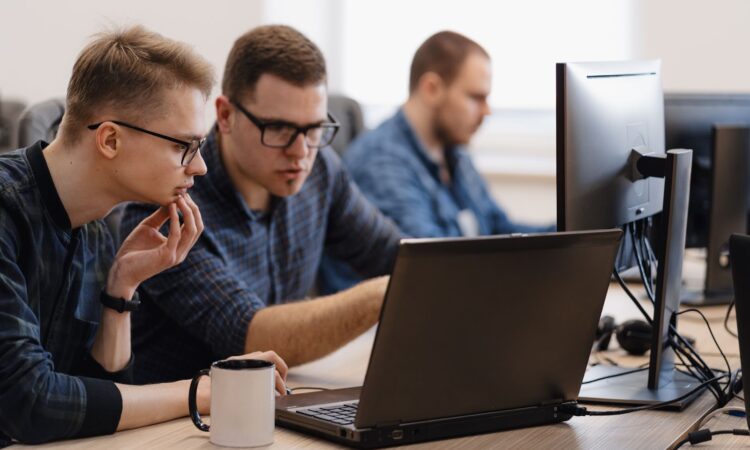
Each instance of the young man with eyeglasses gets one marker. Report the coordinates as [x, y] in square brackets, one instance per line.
[275, 195]
[132, 130]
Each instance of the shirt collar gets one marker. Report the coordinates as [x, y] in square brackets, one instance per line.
[419, 149]
[218, 177]
[47, 189]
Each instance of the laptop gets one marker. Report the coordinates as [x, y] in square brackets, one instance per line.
[476, 335]
[739, 255]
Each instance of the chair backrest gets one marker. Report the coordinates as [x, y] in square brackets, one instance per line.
[349, 113]
[10, 112]
[40, 121]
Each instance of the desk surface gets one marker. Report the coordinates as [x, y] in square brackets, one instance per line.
[347, 366]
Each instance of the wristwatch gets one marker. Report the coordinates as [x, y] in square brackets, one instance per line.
[120, 304]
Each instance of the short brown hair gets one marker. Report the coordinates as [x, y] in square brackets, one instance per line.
[442, 53]
[129, 69]
[274, 49]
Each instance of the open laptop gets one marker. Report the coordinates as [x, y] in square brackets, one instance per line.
[739, 255]
[475, 335]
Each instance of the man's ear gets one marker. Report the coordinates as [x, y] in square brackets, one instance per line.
[432, 88]
[108, 140]
[224, 114]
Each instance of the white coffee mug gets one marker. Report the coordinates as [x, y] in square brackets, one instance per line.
[242, 402]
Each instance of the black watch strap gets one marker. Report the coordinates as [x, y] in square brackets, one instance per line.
[120, 304]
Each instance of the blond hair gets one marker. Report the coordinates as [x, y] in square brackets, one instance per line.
[129, 70]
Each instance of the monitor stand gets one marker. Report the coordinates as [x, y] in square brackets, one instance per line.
[625, 388]
[661, 382]
[730, 183]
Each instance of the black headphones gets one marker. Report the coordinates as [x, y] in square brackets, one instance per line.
[634, 336]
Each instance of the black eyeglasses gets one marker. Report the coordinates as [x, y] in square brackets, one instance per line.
[189, 148]
[280, 134]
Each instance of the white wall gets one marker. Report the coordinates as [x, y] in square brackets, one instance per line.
[40, 39]
[703, 44]
[368, 46]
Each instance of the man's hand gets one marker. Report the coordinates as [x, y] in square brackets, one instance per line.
[147, 252]
[203, 395]
[270, 356]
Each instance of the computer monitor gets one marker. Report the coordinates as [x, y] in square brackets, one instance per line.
[740, 253]
[716, 127]
[612, 170]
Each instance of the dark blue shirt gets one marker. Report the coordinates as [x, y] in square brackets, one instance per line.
[50, 280]
[393, 170]
[199, 311]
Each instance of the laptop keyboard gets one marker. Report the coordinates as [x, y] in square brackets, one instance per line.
[341, 414]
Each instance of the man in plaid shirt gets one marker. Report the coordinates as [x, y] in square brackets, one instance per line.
[132, 130]
[274, 197]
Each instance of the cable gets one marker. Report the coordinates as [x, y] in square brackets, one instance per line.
[716, 412]
[577, 410]
[640, 369]
[679, 344]
[639, 261]
[710, 331]
[707, 372]
[306, 388]
[701, 365]
[696, 437]
[726, 320]
[632, 297]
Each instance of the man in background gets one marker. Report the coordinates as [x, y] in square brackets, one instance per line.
[415, 166]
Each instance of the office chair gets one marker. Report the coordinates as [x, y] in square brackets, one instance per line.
[349, 113]
[10, 111]
[40, 122]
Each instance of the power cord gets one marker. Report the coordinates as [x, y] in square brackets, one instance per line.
[696, 437]
[710, 331]
[639, 369]
[682, 346]
[306, 388]
[577, 410]
[731, 410]
[726, 320]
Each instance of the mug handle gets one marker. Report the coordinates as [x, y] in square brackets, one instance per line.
[193, 404]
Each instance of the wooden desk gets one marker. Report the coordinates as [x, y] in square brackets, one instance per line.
[346, 367]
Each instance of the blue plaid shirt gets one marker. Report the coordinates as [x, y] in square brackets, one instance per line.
[50, 280]
[199, 311]
[391, 167]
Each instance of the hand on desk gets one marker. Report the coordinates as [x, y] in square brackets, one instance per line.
[270, 356]
[204, 388]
